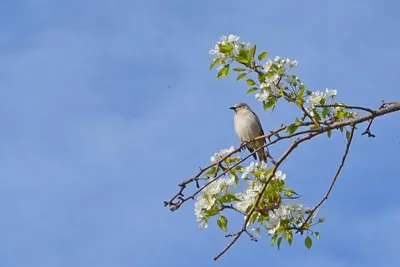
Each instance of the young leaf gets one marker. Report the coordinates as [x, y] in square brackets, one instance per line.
[273, 239]
[289, 237]
[250, 82]
[300, 93]
[252, 51]
[279, 242]
[262, 55]
[211, 171]
[291, 128]
[347, 135]
[329, 132]
[308, 242]
[214, 63]
[226, 49]
[223, 72]
[241, 76]
[222, 223]
[325, 112]
[252, 89]
[317, 235]
[239, 69]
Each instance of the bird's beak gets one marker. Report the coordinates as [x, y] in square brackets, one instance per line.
[233, 108]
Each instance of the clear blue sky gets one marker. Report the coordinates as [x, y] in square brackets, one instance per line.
[106, 105]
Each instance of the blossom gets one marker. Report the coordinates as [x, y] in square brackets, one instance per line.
[202, 222]
[267, 65]
[279, 175]
[249, 169]
[231, 40]
[293, 63]
[263, 96]
[222, 154]
[314, 99]
[248, 197]
[291, 78]
[330, 92]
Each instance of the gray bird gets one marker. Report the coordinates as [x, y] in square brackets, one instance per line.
[248, 127]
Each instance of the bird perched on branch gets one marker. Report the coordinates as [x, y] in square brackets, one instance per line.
[248, 127]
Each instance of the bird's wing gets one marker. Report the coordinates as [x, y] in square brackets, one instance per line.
[259, 124]
[251, 151]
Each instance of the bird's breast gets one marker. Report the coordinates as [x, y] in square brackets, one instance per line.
[247, 126]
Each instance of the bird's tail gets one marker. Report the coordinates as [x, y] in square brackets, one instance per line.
[261, 155]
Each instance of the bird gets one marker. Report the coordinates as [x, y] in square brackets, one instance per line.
[248, 127]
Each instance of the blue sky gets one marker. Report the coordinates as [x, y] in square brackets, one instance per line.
[107, 105]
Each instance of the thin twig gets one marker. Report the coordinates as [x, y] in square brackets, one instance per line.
[346, 152]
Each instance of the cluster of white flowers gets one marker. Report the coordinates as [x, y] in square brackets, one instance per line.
[207, 199]
[249, 195]
[252, 168]
[280, 63]
[232, 40]
[263, 96]
[254, 186]
[291, 211]
[223, 153]
[316, 97]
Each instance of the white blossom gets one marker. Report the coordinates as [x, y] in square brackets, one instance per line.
[267, 65]
[279, 175]
[293, 63]
[277, 59]
[330, 92]
[314, 99]
[263, 96]
[248, 196]
[202, 222]
[232, 40]
[223, 153]
[249, 169]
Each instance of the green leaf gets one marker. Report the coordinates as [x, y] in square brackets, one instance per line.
[308, 242]
[262, 55]
[250, 82]
[211, 171]
[329, 132]
[347, 135]
[273, 239]
[222, 223]
[340, 114]
[291, 128]
[215, 62]
[252, 51]
[289, 236]
[223, 72]
[241, 76]
[239, 69]
[252, 89]
[317, 235]
[316, 115]
[269, 104]
[243, 57]
[211, 212]
[229, 198]
[325, 112]
[300, 93]
[225, 48]
[279, 242]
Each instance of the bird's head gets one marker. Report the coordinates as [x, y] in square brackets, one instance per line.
[240, 107]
